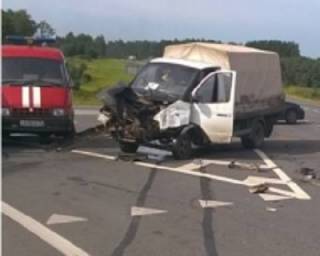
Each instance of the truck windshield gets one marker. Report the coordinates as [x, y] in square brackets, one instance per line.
[170, 80]
[33, 70]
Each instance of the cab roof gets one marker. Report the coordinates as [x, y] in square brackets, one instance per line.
[25, 51]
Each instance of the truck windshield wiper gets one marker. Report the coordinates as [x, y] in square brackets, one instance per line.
[11, 81]
[41, 82]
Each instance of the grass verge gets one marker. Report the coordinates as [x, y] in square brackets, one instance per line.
[104, 73]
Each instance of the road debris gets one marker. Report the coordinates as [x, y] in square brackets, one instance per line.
[259, 188]
[308, 174]
[271, 209]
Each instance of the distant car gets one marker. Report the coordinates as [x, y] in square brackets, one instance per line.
[292, 113]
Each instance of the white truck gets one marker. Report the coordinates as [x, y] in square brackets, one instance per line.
[197, 94]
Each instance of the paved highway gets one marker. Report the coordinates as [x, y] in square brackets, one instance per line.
[83, 200]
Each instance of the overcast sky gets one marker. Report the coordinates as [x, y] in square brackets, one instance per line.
[226, 20]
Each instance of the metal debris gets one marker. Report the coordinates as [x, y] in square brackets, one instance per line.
[259, 188]
[308, 174]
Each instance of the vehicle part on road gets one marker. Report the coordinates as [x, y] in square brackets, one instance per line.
[260, 188]
[308, 174]
[271, 209]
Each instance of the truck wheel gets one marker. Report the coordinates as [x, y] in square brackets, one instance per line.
[291, 117]
[182, 149]
[128, 147]
[256, 138]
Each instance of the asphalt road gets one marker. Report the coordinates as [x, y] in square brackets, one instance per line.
[149, 208]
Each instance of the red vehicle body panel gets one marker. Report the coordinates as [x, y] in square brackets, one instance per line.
[21, 51]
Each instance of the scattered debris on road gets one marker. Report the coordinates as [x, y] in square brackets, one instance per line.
[259, 188]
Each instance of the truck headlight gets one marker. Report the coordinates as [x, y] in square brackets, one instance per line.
[58, 112]
[5, 112]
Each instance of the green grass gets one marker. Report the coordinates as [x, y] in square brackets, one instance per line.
[304, 93]
[104, 73]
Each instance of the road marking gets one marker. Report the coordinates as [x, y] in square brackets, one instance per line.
[298, 191]
[213, 204]
[270, 209]
[86, 153]
[269, 164]
[60, 219]
[141, 211]
[316, 111]
[273, 198]
[255, 180]
[47, 235]
[167, 168]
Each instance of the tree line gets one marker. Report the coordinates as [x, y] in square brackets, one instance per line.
[296, 69]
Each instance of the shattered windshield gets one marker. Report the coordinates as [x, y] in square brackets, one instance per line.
[171, 80]
[33, 70]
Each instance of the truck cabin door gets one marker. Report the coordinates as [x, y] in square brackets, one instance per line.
[213, 105]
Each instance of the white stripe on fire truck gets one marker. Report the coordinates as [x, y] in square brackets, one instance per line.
[36, 97]
[25, 97]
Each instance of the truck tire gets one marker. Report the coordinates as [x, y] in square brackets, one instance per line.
[182, 149]
[256, 138]
[127, 147]
[291, 116]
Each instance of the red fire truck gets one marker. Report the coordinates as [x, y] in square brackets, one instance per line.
[36, 89]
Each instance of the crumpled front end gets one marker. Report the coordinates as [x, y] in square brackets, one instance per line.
[133, 118]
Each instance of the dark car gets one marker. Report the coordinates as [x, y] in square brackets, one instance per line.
[292, 113]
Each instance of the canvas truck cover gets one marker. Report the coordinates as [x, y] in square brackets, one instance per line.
[259, 82]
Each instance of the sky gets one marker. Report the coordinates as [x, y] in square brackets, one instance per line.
[225, 20]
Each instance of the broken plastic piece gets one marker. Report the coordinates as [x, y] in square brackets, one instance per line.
[260, 188]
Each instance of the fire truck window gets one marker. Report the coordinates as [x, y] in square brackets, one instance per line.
[33, 69]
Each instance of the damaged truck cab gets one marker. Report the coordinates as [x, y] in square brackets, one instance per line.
[197, 94]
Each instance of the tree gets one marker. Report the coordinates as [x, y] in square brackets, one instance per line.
[44, 29]
[100, 46]
[284, 49]
[17, 23]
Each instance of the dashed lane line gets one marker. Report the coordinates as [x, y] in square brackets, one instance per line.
[50, 237]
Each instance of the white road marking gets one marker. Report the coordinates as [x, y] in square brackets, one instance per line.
[273, 198]
[60, 219]
[255, 180]
[270, 209]
[298, 191]
[141, 211]
[36, 97]
[166, 168]
[25, 97]
[86, 153]
[316, 111]
[213, 204]
[55, 240]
